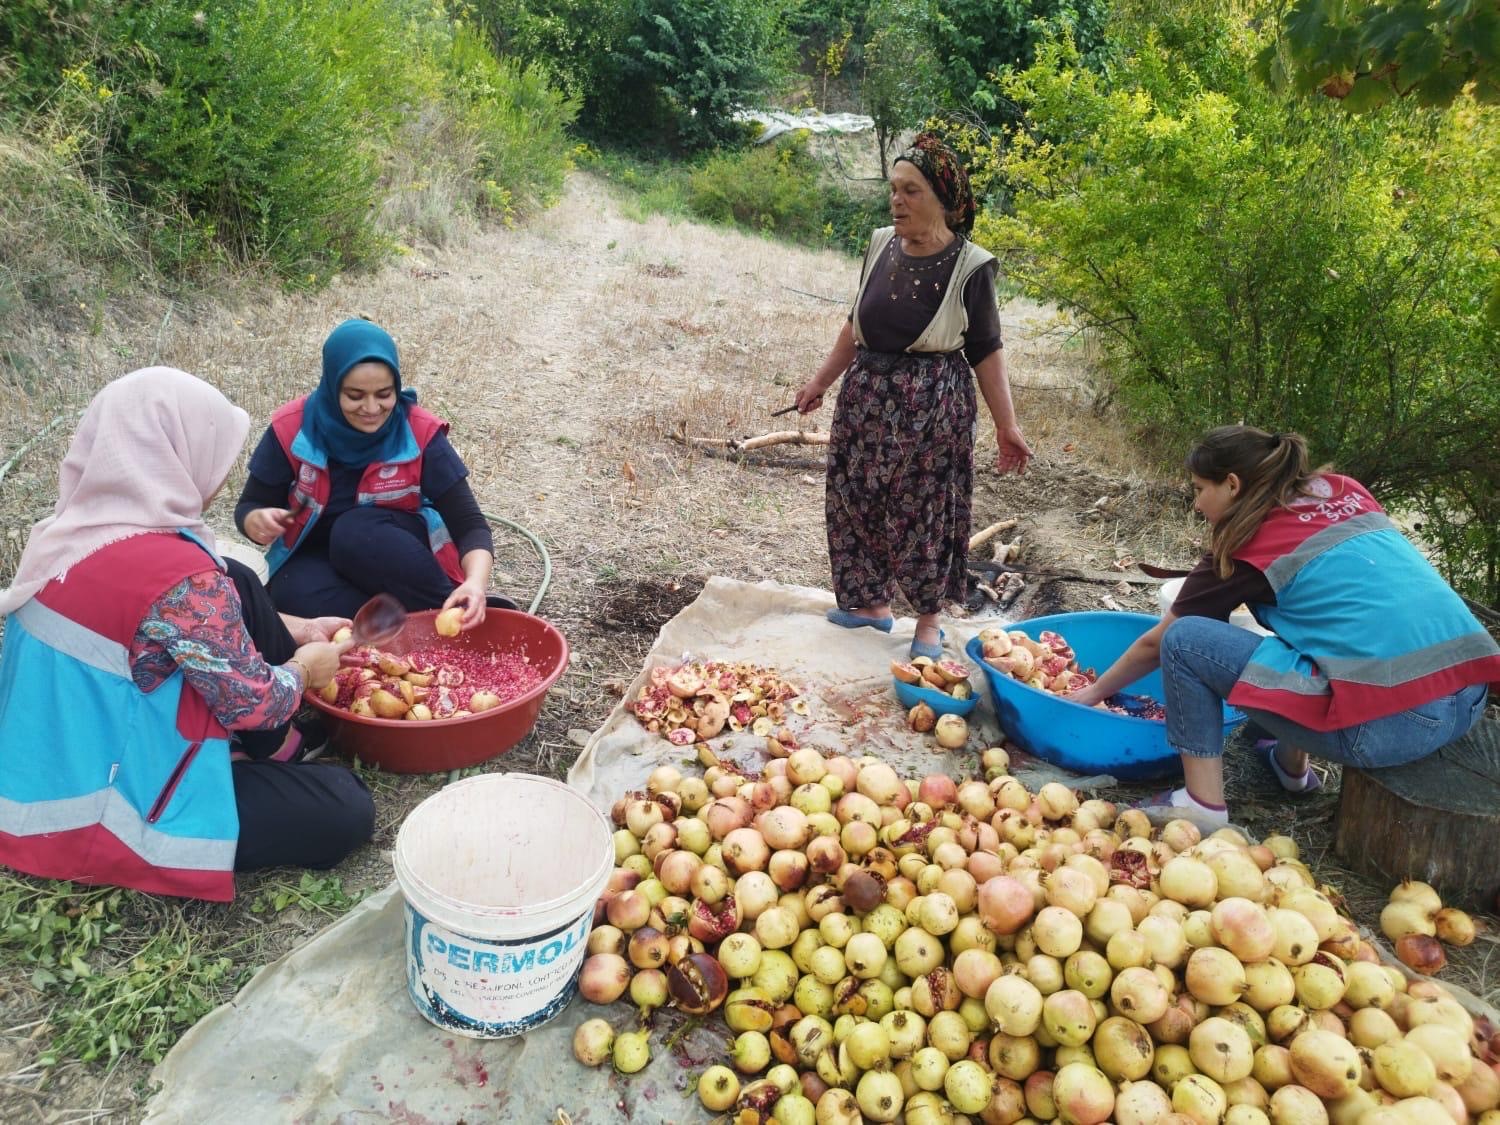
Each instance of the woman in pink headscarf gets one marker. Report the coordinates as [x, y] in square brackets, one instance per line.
[147, 686]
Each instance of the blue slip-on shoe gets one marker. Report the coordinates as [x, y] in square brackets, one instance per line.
[847, 620]
[932, 652]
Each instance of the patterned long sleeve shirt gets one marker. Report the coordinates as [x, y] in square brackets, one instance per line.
[197, 627]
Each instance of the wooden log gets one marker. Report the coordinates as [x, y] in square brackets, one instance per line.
[990, 532]
[746, 445]
[1437, 820]
[780, 437]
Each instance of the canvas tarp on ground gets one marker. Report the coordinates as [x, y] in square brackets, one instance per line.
[327, 1033]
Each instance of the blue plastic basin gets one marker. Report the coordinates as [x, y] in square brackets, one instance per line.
[940, 701]
[1087, 739]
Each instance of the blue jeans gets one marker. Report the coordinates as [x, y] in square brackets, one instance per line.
[1200, 661]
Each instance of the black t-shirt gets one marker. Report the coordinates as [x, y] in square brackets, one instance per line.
[904, 293]
[1205, 594]
[444, 484]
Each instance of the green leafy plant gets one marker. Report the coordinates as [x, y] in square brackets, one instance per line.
[901, 76]
[1249, 256]
[519, 123]
[115, 990]
[977, 38]
[324, 894]
[771, 188]
[1362, 55]
[704, 59]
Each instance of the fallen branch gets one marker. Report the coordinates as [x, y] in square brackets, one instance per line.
[993, 530]
[750, 444]
[780, 437]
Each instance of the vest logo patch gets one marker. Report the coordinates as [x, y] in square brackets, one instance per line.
[388, 471]
[307, 474]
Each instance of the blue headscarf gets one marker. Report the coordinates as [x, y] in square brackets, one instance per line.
[352, 343]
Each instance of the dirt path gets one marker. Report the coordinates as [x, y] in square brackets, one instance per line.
[564, 352]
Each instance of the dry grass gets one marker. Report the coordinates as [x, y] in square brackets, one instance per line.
[563, 352]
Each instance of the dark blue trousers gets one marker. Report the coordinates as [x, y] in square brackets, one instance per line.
[370, 550]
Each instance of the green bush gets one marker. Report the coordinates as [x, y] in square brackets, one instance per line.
[770, 188]
[277, 131]
[703, 59]
[519, 123]
[1259, 258]
[38, 41]
[578, 44]
[848, 220]
[245, 122]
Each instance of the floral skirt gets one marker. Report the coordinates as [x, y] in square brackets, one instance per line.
[900, 480]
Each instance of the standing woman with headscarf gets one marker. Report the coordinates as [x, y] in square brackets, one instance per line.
[356, 491]
[147, 686]
[901, 455]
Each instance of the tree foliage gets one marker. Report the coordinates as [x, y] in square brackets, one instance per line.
[978, 38]
[577, 42]
[1249, 256]
[264, 130]
[1364, 54]
[901, 72]
[707, 58]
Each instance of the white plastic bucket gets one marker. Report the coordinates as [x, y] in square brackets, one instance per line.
[500, 873]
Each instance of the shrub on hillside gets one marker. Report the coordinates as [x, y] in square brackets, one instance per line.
[704, 59]
[245, 120]
[578, 44]
[770, 188]
[1252, 257]
[517, 120]
[848, 219]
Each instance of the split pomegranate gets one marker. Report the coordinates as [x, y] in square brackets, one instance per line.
[695, 702]
[435, 683]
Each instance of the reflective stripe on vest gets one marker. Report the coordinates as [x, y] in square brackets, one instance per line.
[99, 781]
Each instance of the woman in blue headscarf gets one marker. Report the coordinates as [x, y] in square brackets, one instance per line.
[356, 490]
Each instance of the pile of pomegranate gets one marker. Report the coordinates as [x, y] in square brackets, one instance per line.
[441, 682]
[697, 701]
[1416, 920]
[886, 949]
[1047, 664]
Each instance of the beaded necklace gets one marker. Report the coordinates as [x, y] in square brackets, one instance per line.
[902, 263]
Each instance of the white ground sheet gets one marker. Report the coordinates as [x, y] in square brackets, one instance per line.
[327, 1033]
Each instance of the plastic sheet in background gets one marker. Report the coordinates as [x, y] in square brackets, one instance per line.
[775, 122]
[327, 1034]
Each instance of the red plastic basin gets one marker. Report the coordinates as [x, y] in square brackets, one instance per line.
[403, 746]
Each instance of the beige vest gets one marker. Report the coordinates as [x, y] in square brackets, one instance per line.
[945, 332]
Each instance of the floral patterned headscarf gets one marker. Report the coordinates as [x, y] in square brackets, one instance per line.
[940, 165]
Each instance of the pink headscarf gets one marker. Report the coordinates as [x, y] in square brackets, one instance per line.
[150, 450]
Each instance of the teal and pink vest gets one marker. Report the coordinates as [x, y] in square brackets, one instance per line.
[101, 782]
[396, 483]
[1364, 626]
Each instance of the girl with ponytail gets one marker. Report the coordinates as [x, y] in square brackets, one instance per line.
[1372, 660]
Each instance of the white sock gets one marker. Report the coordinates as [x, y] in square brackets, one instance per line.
[1182, 799]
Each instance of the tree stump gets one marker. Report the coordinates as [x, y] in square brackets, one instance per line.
[1437, 820]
